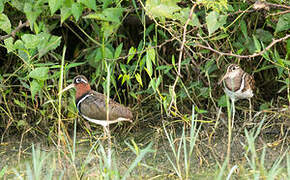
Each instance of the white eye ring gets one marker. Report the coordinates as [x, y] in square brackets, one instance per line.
[79, 80]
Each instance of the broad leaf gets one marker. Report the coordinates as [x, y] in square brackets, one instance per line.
[32, 11]
[89, 3]
[31, 41]
[118, 51]
[264, 36]
[54, 5]
[139, 79]
[77, 10]
[1, 9]
[9, 44]
[97, 55]
[131, 54]
[283, 23]
[5, 24]
[40, 73]
[35, 86]
[162, 9]
[109, 14]
[149, 65]
[244, 29]
[222, 102]
[47, 43]
[214, 21]
[65, 12]
[257, 44]
[183, 16]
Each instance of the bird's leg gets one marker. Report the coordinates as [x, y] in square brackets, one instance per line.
[233, 112]
[250, 104]
[106, 131]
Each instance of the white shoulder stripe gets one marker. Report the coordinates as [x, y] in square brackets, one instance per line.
[81, 100]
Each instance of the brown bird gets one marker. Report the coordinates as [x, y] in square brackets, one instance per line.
[92, 105]
[238, 85]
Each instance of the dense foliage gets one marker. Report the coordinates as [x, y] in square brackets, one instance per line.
[162, 57]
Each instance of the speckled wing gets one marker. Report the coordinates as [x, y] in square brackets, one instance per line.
[94, 107]
[234, 84]
[249, 82]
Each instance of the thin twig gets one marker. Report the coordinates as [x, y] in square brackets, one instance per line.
[279, 13]
[18, 28]
[244, 56]
[181, 53]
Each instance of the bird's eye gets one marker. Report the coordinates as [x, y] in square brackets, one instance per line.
[78, 80]
[236, 67]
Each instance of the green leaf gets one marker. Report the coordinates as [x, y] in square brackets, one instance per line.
[264, 36]
[149, 65]
[71, 65]
[183, 16]
[222, 102]
[32, 11]
[17, 4]
[65, 12]
[9, 44]
[151, 54]
[139, 79]
[40, 73]
[35, 86]
[283, 23]
[118, 51]
[108, 29]
[21, 123]
[244, 29]
[214, 21]
[131, 93]
[1, 9]
[19, 103]
[109, 14]
[89, 3]
[54, 5]
[31, 41]
[47, 42]
[264, 106]
[288, 47]
[77, 10]
[219, 37]
[96, 56]
[131, 54]
[3, 171]
[162, 9]
[5, 24]
[257, 44]
[125, 77]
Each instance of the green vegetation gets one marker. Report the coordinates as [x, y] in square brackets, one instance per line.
[163, 59]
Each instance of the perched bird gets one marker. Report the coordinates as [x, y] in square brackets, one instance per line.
[93, 107]
[238, 85]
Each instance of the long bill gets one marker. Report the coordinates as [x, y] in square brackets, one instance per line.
[67, 88]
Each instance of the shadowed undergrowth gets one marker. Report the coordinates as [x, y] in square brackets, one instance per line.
[160, 58]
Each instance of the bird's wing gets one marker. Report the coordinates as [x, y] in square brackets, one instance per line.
[94, 107]
[249, 82]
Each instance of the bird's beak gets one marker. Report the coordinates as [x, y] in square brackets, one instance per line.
[67, 88]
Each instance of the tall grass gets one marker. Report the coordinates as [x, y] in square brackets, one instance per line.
[181, 166]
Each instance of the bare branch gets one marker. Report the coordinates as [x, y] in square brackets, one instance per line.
[181, 53]
[244, 56]
[18, 28]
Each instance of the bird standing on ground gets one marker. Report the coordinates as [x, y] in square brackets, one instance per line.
[93, 107]
[238, 85]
